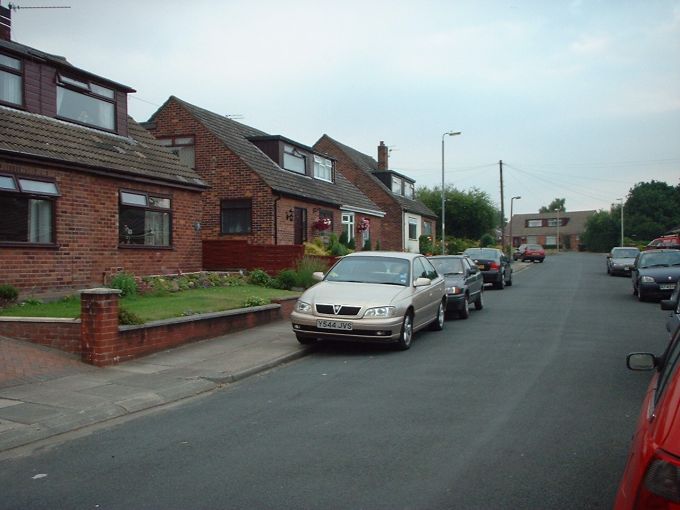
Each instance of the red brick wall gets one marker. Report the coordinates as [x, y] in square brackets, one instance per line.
[224, 254]
[87, 248]
[58, 334]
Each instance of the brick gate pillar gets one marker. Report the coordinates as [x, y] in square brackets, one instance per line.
[99, 326]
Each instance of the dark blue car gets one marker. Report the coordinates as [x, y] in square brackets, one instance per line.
[464, 283]
[655, 274]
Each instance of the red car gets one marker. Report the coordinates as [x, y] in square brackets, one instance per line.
[651, 479]
[533, 252]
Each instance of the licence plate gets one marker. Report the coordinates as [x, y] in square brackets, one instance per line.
[667, 286]
[480, 266]
[342, 325]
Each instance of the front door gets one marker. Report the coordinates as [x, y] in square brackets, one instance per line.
[300, 225]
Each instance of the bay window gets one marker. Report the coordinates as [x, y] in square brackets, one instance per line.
[144, 219]
[27, 210]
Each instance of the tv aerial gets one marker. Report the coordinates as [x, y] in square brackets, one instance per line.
[15, 7]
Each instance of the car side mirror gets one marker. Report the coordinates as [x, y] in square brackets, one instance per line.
[667, 304]
[641, 361]
[317, 275]
[422, 282]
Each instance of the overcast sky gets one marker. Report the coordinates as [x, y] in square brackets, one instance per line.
[580, 99]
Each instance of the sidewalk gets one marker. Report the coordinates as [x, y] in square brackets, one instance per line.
[47, 393]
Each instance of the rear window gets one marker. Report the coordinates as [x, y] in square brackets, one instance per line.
[629, 253]
[482, 253]
[534, 247]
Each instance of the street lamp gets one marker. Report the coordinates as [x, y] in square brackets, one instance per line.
[449, 133]
[558, 229]
[621, 200]
[512, 245]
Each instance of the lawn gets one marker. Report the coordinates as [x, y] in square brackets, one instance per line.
[150, 308]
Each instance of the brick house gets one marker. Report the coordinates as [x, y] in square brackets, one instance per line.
[406, 217]
[266, 190]
[84, 190]
[542, 228]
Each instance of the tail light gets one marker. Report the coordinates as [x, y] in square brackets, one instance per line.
[494, 265]
[660, 488]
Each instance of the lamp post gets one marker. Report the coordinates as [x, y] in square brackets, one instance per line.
[512, 199]
[448, 133]
[621, 200]
[558, 229]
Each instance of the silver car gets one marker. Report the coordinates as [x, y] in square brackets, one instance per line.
[372, 297]
[621, 259]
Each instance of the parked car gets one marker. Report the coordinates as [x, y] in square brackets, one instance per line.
[533, 252]
[655, 274]
[493, 264]
[464, 283]
[517, 254]
[651, 478]
[672, 304]
[668, 241]
[372, 297]
[621, 259]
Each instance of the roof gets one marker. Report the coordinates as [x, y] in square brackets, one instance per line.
[235, 137]
[575, 225]
[55, 60]
[29, 135]
[369, 165]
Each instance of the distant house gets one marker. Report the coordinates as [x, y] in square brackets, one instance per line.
[406, 217]
[85, 191]
[266, 190]
[543, 228]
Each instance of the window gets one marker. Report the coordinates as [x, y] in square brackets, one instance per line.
[182, 147]
[293, 160]
[86, 103]
[323, 169]
[11, 81]
[534, 223]
[427, 228]
[396, 185]
[144, 219]
[348, 225]
[26, 210]
[236, 216]
[409, 190]
[412, 229]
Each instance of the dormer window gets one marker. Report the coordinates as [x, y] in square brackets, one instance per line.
[11, 81]
[293, 160]
[409, 190]
[86, 103]
[323, 169]
[396, 185]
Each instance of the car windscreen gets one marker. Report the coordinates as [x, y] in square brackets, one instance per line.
[384, 270]
[624, 253]
[653, 259]
[448, 267]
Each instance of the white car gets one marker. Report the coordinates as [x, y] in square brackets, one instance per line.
[372, 297]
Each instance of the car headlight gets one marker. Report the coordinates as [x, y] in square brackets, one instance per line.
[303, 307]
[647, 279]
[454, 290]
[380, 312]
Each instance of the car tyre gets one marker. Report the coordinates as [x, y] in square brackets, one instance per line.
[406, 335]
[641, 295]
[479, 302]
[509, 282]
[438, 322]
[464, 312]
[305, 340]
[500, 285]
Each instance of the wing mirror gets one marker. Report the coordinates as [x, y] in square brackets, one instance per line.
[317, 275]
[641, 361]
[422, 282]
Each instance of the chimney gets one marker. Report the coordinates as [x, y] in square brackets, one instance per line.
[382, 156]
[5, 23]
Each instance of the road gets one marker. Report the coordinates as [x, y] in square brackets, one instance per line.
[527, 404]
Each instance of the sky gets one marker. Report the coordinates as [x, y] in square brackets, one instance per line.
[579, 99]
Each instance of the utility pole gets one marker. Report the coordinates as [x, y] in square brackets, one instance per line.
[500, 163]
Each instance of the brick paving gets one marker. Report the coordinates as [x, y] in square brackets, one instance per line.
[23, 362]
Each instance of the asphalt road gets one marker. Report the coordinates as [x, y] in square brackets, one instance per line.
[527, 404]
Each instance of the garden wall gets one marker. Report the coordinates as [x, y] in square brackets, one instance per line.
[224, 255]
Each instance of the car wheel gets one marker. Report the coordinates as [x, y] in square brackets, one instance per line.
[635, 292]
[479, 302]
[641, 296]
[500, 285]
[438, 322]
[406, 336]
[609, 271]
[509, 282]
[464, 312]
[541, 261]
[305, 340]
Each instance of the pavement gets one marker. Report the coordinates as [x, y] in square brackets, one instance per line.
[45, 393]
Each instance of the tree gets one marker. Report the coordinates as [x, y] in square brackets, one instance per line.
[652, 209]
[601, 232]
[469, 214]
[557, 204]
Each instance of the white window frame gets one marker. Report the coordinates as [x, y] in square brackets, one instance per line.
[396, 182]
[323, 169]
[348, 223]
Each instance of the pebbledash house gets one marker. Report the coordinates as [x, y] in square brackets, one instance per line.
[85, 191]
[268, 194]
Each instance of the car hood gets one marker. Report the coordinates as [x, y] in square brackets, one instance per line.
[356, 294]
[661, 273]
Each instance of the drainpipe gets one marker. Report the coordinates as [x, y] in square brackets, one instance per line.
[276, 220]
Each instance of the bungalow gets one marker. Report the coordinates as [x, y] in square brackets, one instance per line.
[84, 190]
[266, 190]
[406, 217]
[543, 228]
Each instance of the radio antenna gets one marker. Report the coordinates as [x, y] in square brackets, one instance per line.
[15, 7]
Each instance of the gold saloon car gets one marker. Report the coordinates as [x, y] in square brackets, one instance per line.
[372, 297]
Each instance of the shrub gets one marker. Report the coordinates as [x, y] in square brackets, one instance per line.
[254, 301]
[486, 241]
[126, 283]
[367, 245]
[8, 293]
[287, 279]
[259, 277]
[338, 250]
[128, 318]
[425, 245]
[306, 266]
[334, 239]
[315, 248]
